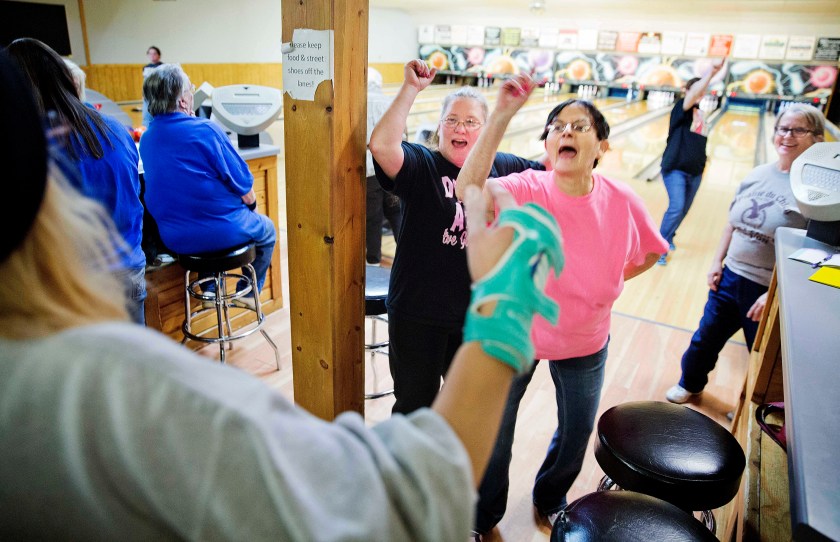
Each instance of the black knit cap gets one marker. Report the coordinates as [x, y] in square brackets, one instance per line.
[23, 153]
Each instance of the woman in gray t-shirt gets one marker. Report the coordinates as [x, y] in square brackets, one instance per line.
[744, 260]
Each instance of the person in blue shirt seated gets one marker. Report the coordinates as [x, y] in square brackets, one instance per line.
[100, 158]
[198, 189]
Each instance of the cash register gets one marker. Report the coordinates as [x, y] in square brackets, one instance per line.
[815, 181]
[246, 110]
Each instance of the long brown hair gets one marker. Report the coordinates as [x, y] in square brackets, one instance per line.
[54, 91]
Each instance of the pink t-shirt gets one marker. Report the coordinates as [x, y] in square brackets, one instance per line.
[602, 232]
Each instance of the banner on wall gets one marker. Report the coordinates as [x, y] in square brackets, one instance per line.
[530, 37]
[443, 34]
[746, 46]
[606, 40]
[720, 45]
[492, 36]
[772, 47]
[828, 49]
[548, 38]
[426, 33]
[475, 35]
[650, 43]
[587, 39]
[459, 34]
[567, 39]
[511, 36]
[801, 47]
[696, 44]
[673, 43]
[628, 42]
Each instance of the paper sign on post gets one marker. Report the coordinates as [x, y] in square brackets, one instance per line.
[307, 61]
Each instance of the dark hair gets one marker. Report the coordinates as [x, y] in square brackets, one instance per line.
[153, 47]
[602, 127]
[54, 90]
[24, 154]
[690, 82]
[163, 88]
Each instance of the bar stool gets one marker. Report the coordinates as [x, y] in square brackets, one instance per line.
[376, 290]
[218, 265]
[670, 452]
[626, 515]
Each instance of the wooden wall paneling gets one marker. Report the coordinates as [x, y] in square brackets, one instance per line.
[124, 82]
[325, 174]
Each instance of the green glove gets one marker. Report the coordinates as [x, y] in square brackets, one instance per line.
[516, 284]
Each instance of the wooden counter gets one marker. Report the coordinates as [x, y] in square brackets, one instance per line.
[793, 495]
[165, 285]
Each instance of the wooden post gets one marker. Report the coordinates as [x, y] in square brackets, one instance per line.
[325, 142]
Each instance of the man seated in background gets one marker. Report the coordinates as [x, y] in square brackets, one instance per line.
[198, 189]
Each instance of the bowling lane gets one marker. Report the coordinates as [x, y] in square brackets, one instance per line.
[731, 149]
[634, 150]
[676, 293]
[522, 137]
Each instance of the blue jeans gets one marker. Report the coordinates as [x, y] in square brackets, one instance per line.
[681, 188]
[264, 241]
[724, 314]
[134, 283]
[577, 385]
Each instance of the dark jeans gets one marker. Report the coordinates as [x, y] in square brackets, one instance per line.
[380, 203]
[134, 282]
[419, 356]
[724, 314]
[681, 188]
[264, 240]
[577, 385]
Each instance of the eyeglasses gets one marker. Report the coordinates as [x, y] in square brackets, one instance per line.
[795, 132]
[470, 125]
[578, 126]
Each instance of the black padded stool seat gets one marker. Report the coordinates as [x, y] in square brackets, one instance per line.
[224, 260]
[625, 516]
[671, 452]
[376, 290]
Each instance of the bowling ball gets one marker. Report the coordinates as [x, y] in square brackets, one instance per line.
[823, 76]
[438, 60]
[541, 60]
[475, 56]
[662, 76]
[138, 132]
[579, 70]
[627, 65]
[759, 82]
[502, 64]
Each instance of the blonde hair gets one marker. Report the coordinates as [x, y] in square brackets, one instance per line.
[60, 276]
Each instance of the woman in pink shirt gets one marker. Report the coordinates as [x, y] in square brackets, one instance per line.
[608, 237]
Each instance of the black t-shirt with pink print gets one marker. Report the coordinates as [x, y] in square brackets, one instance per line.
[430, 282]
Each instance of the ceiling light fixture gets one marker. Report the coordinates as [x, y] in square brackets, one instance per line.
[537, 7]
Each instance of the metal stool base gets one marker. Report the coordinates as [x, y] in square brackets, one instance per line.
[223, 301]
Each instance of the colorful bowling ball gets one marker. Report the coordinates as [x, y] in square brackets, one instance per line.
[438, 60]
[579, 70]
[759, 82]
